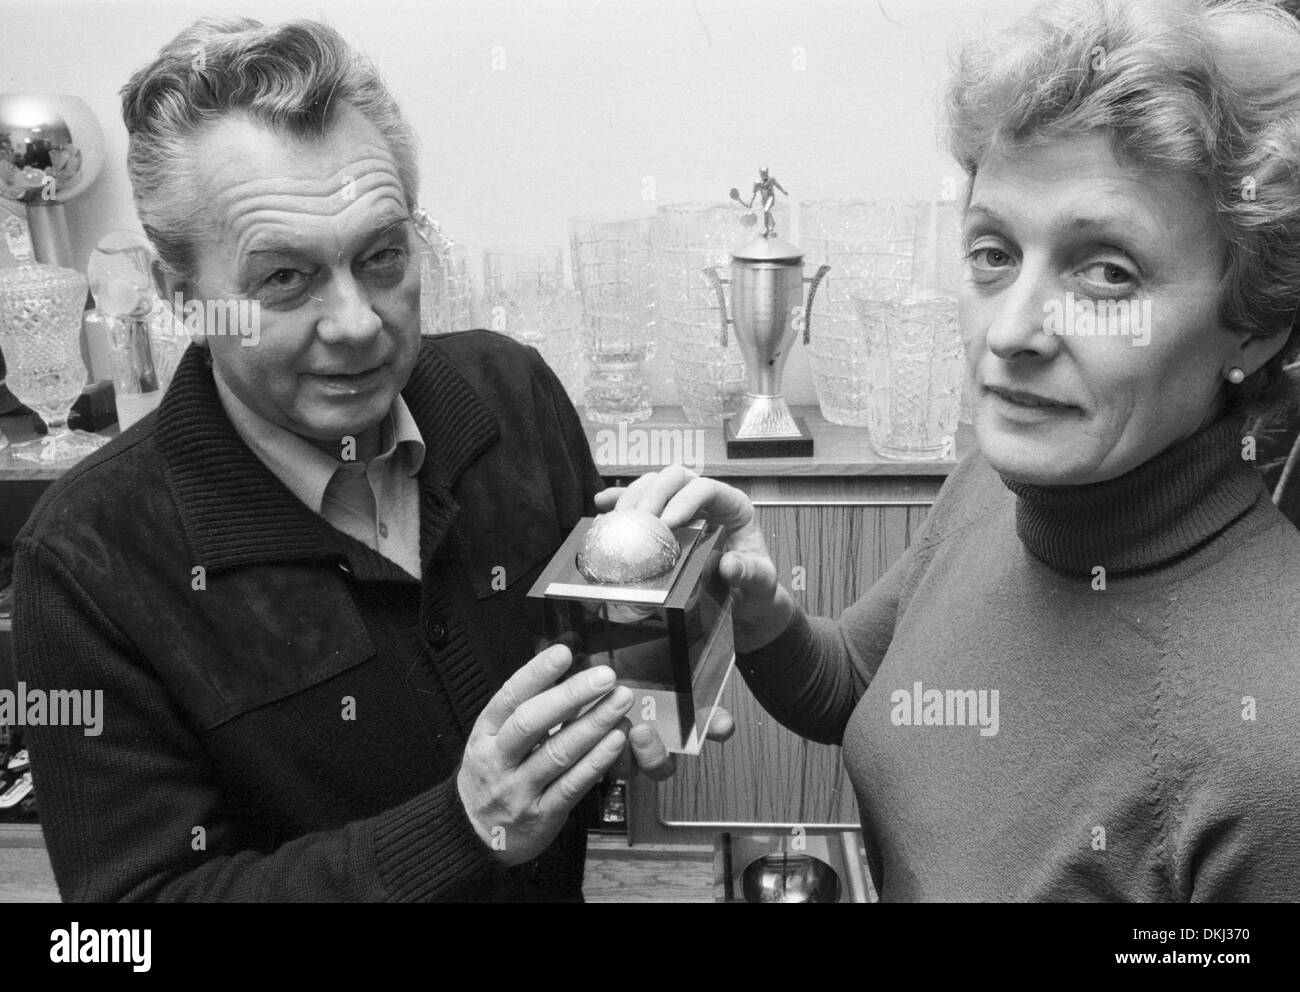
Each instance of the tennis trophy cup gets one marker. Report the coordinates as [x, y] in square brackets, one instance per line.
[768, 311]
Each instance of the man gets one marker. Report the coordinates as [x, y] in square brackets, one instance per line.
[300, 584]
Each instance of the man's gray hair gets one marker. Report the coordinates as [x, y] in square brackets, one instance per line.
[292, 78]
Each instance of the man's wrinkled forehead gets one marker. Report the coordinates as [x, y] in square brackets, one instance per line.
[258, 183]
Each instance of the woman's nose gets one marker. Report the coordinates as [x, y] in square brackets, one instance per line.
[1018, 328]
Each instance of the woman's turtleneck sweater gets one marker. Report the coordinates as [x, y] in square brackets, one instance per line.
[1071, 693]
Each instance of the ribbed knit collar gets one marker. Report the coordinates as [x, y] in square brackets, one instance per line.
[236, 512]
[1160, 512]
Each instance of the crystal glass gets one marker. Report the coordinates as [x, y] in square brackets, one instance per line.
[445, 293]
[122, 284]
[40, 331]
[168, 340]
[915, 370]
[525, 297]
[687, 238]
[879, 251]
[869, 247]
[613, 276]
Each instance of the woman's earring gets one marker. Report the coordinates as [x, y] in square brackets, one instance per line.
[1235, 376]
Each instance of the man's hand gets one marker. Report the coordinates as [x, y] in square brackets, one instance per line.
[517, 783]
[646, 752]
[761, 608]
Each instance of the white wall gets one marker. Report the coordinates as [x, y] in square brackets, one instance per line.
[595, 96]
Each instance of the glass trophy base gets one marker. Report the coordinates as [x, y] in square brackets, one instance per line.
[67, 446]
[616, 391]
[941, 451]
[790, 446]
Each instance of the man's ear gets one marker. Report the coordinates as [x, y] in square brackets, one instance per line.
[171, 287]
[167, 284]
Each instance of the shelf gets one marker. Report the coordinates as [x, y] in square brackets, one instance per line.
[667, 438]
[18, 428]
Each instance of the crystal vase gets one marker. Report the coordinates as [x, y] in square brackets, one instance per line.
[613, 276]
[685, 240]
[524, 296]
[445, 294]
[41, 308]
[895, 270]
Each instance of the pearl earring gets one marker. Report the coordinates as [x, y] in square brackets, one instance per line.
[1235, 376]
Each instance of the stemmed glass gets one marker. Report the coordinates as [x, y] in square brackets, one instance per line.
[40, 332]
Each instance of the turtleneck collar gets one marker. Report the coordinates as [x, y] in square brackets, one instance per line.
[1154, 515]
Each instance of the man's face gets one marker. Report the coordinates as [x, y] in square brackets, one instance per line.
[318, 235]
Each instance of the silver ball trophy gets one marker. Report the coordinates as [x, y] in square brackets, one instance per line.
[51, 150]
[768, 310]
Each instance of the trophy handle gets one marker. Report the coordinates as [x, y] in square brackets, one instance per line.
[718, 282]
[814, 282]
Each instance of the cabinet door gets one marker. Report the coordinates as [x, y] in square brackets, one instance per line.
[827, 554]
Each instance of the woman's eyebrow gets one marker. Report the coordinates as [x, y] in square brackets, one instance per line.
[1125, 227]
[984, 212]
[981, 218]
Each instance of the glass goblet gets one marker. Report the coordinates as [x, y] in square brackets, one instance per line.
[40, 332]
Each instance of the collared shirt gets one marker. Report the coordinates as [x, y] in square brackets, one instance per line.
[377, 502]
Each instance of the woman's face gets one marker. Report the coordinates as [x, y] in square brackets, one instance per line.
[1089, 313]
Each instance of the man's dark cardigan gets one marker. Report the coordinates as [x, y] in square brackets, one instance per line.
[285, 709]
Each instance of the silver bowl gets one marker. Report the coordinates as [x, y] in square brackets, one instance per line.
[785, 877]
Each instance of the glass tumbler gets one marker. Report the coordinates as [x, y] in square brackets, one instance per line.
[869, 246]
[524, 296]
[613, 275]
[915, 373]
[687, 238]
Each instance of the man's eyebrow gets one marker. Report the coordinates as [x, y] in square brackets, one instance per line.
[271, 244]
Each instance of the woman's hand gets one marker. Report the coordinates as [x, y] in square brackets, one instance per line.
[762, 609]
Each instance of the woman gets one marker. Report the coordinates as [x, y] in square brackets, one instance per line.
[1077, 682]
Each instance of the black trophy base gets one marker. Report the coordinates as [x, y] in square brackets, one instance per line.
[769, 447]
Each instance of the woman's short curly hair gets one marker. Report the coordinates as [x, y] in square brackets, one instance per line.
[1209, 89]
[292, 78]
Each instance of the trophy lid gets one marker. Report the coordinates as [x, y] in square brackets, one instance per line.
[767, 249]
